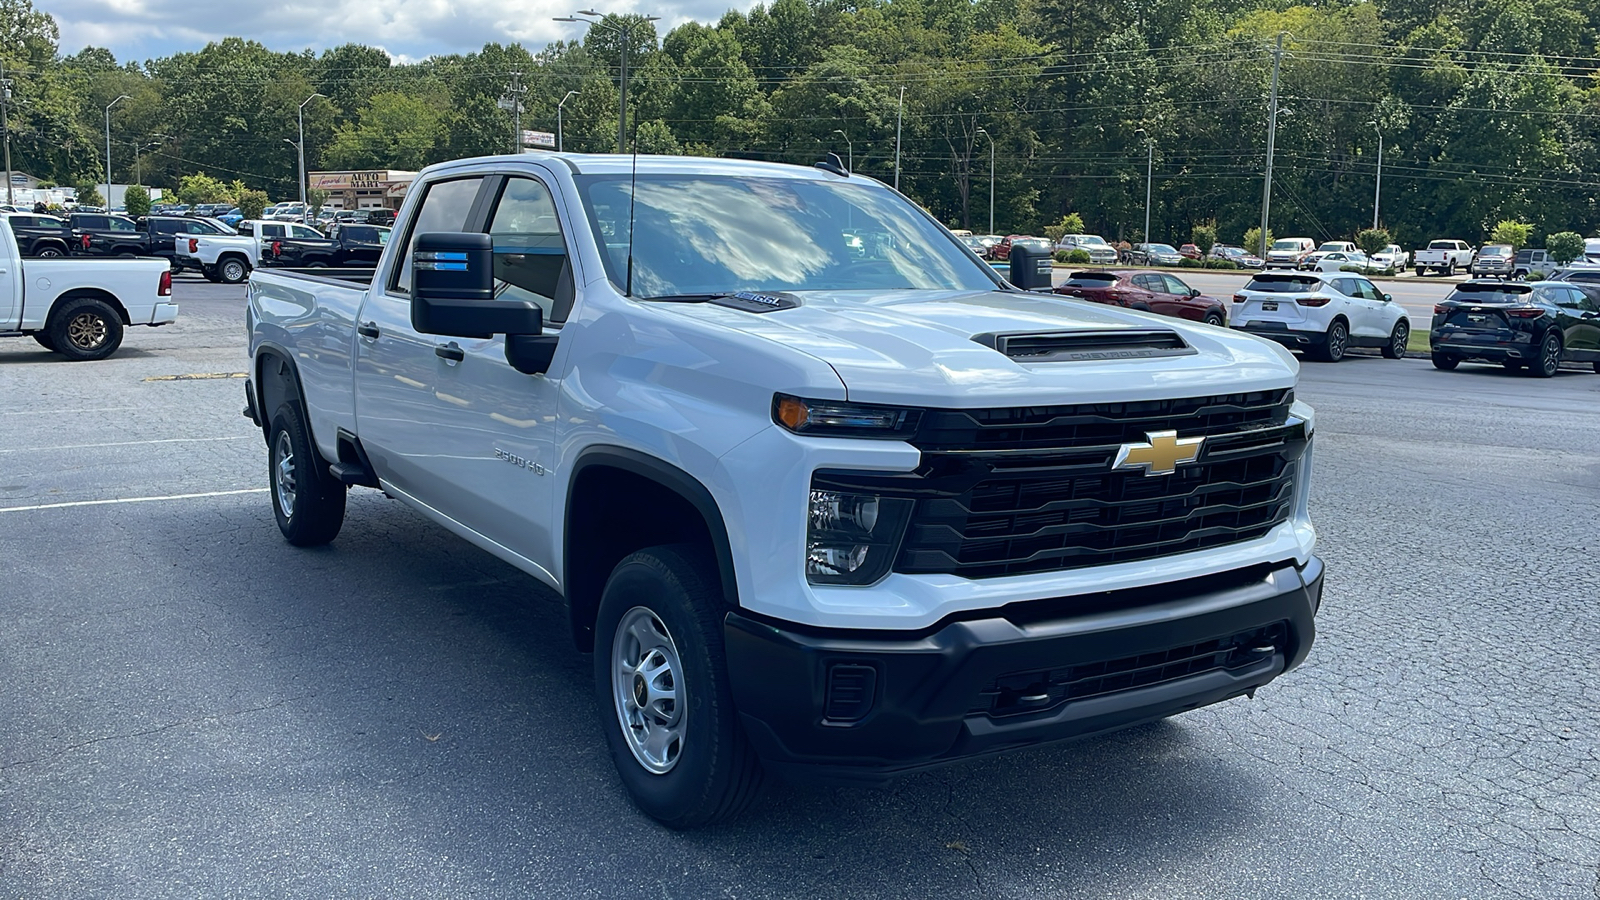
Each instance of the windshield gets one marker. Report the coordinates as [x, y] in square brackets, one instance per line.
[1286, 245]
[1332, 247]
[1495, 251]
[1094, 240]
[1283, 284]
[709, 234]
[1162, 248]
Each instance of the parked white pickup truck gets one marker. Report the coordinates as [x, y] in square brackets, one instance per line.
[824, 496]
[1443, 256]
[79, 307]
[230, 258]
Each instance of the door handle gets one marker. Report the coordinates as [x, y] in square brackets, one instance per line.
[368, 330]
[449, 352]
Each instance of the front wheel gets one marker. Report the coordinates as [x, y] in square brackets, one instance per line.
[1445, 363]
[85, 329]
[1548, 361]
[307, 502]
[1396, 348]
[661, 678]
[1214, 318]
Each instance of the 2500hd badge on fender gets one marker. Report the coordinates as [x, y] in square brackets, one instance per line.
[825, 497]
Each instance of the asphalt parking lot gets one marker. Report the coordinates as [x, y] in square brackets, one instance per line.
[192, 708]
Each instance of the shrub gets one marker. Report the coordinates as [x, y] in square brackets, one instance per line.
[1565, 246]
[1071, 223]
[1221, 264]
[137, 200]
[1061, 256]
[1187, 263]
[1536, 275]
[89, 194]
[1512, 232]
[251, 203]
[1373, 240]
[1079, 257]
[316, 198]
[1204, 236]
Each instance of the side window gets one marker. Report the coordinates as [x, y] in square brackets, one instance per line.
[530, 257]
[1368, 290]
[122, 225]
[1174, 286]
[444, 208]
[248, 229]
[1345, 286]
[271, 230]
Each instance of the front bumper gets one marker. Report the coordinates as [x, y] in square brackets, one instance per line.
[864, 707]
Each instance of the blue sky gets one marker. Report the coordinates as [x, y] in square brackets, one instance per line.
[408, 29]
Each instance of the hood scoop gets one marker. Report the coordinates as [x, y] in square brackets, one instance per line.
[1088, 346]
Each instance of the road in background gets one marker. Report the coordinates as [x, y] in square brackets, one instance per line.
[193, 708]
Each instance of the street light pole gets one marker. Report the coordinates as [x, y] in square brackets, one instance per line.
[108, 147]
[1377, 191]
[301, 147]
[899, 119]
[991, 177]
[5, 129]
[560, 143]
[624, 30]
[1272, 144]
[1149, 181]
[850, 150]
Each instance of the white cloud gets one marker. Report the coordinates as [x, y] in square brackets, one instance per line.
[408, 29]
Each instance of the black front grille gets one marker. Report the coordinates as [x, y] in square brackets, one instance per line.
[1024, 490]
[1032, 692]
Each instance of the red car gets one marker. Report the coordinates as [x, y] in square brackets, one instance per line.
[1155, 292]
[1189, 251]
[1002, 250]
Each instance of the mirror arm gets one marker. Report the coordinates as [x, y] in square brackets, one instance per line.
[531, 354]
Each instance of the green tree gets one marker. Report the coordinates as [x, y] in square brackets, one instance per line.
[1071, 223]
[137, 200]
[1204, 236]
[395, 131]
[1510, 231]
[316, 198]
[251, 203]
[89, 194]
[1564, 246]
[656, 137]
[1373, 240]
[202, 188]
[1252, 240]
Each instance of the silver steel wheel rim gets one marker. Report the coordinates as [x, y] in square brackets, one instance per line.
[647, 690]
[283, 473]
[232, 271]
[86, 331]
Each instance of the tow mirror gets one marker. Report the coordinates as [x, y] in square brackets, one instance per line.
[452, 293]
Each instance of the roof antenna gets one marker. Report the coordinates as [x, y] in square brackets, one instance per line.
[633, 189]
[832, 163]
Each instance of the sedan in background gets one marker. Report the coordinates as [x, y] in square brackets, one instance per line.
[1337, 260]
[1002, 250]
[1239, 256]
[1322, 313]
[1155, 292]
[1155, 255]
[1535, 327]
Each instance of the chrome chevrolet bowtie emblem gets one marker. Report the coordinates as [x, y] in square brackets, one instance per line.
[1162, 455]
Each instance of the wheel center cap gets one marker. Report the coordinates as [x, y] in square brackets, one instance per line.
[641, 692]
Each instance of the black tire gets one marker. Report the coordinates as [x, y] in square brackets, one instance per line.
[1215, 318]
[210, 272]
[1396, 348]
[49, 251]
[714, 774]
[232, 270]
[1445, 362]
[1548, 362]
[43, 338]
[1451, 269]
[1597, 367]
[307, 502]
[1333, 344]
[1421, 271]
[85, 329]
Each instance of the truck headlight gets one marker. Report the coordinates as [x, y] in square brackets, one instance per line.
[852, 538]
[836, 418]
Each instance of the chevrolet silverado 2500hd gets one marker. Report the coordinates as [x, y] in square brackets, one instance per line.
[79, 307]
[824, 496]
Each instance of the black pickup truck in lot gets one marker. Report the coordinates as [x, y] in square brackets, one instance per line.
[98, 234]
[41, 236]
[345, 245]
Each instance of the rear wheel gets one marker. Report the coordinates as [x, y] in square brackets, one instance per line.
[1445, 362]
[49, 252]
[307, 502]
[1548, 361]
[232, 271]
[85, 329]
[1421, 271]
[1451, 268]
[1334, 343]
[1597, 367]
[1396, 348]
[661, 679]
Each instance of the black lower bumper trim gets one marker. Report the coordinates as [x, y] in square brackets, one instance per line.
[1283, 335]
[980, 686]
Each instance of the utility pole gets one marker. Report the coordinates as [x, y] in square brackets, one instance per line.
[1272, 143]
[108, 147]
[899, 118]
[1149, 180]
[305, 211]
[991, 177]
[513, 101]
[1377, 191]
[5, 128]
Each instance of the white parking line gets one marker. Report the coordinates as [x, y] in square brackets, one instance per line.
[12, 509]
[242, 437]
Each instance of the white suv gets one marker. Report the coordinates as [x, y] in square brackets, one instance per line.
[1322, 313]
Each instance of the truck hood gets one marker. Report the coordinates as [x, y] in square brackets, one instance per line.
[924, 348]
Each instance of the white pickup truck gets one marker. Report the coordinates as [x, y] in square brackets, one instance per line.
[229, 258]
[79, 307]
[824, 496]
[1443, 256]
